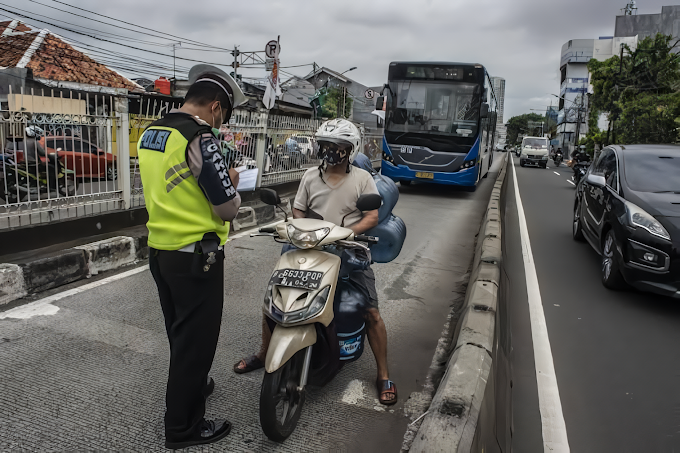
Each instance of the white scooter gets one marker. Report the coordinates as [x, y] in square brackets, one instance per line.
[315, 312]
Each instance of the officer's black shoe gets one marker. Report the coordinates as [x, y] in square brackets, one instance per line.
[209, 387]
[209, 431]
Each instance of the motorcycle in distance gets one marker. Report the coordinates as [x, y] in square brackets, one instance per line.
[557, 158]
[580, 169]
[315, 313]
[26, 182]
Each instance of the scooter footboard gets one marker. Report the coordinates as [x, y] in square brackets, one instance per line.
[285, 342]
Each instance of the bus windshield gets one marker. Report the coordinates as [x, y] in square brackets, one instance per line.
[442, 108]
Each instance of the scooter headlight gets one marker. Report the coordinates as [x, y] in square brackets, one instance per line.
[306, 239]
[318, 303]
[271, 310]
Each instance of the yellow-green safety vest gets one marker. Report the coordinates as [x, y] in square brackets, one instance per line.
[179, 212]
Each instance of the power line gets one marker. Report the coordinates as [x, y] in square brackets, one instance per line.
[127, 38]
[109, 41]
[124, 22]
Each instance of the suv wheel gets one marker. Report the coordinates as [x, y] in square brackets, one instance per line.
[611, 273]
[577, 231]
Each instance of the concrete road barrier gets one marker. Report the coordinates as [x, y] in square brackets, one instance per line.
[11, 283]
[450, 424]
[30, 276]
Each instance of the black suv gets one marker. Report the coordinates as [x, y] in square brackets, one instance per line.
[628, 208]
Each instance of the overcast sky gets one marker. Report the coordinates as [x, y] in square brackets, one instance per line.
[519, 40]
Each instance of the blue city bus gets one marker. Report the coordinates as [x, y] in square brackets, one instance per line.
[440, 121]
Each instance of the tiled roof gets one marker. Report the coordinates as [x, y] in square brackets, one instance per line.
[58, 61]
[13, 47]
[19, 28]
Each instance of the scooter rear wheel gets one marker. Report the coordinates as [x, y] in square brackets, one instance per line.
[280, 400]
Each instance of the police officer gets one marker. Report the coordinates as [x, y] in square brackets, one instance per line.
[191, 197]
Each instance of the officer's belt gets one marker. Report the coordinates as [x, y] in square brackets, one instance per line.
[191, 248]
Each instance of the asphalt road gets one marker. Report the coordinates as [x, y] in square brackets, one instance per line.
[615, 353]
[91, 375]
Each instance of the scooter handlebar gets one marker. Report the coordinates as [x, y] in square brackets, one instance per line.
[364, 238]
[268, 230]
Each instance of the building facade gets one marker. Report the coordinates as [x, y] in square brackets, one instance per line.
[498, 84]
[644, 25]
[572, 102]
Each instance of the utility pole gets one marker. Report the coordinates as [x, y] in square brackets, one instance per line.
[174, 70]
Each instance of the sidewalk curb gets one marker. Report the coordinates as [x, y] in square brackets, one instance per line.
[450, 423]
[17, 280]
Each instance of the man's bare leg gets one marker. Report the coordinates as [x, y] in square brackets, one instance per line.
[377, 337]
[250, 363]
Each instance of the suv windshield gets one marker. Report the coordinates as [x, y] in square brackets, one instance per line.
[653, 173]
[442, 108]
[535, 143]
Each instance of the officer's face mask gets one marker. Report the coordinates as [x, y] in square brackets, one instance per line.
[216, 125]
[335, 154]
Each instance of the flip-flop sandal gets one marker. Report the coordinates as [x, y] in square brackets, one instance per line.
[249, 364]
[386, 387]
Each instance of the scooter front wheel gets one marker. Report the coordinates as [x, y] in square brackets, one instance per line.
[281, 401]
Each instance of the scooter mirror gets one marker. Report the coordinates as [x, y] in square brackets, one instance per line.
[270, 197]
[369, 202]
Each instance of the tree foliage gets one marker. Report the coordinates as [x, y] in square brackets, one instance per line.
[638, 94]
[520, 125]
[333, 100]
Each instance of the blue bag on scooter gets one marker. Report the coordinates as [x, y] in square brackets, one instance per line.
[387, 188]
[391, 235]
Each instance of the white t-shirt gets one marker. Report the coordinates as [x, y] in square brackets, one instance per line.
[333, 202]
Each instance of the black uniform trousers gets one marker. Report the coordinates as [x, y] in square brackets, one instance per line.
[192, 302]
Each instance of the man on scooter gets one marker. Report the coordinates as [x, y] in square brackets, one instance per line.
[330, 192]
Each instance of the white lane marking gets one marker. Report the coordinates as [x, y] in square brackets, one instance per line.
[556, 173]
[571, 182]
[44, 306]
[549, 403]
[254, 230]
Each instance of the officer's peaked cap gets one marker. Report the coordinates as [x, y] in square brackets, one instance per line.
[209, 73]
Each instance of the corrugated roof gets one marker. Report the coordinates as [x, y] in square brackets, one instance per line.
[57, 60]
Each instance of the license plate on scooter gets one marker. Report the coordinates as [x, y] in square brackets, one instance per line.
[296, 278]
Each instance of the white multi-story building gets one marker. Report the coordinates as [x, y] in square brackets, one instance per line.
[499, 89]
[572, 105]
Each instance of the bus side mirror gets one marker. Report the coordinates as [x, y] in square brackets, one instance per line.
[484, 113]
[380, 103]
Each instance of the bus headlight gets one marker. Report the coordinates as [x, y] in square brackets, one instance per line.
[388, 157]
[468, 164]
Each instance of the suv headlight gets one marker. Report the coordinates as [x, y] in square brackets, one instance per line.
[306, 239]
[641, 218]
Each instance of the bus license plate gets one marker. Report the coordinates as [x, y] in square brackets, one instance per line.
[296, 278]
[424, 174]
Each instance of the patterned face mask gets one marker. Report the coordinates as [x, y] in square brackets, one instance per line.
[335, 154]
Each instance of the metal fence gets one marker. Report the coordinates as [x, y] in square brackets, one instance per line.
[83, 159]
[60, 164]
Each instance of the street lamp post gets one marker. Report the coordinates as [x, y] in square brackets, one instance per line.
[344, 92]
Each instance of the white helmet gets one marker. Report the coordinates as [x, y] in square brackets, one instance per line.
[34, 131]
[340, 131]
